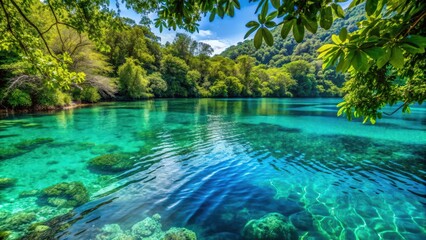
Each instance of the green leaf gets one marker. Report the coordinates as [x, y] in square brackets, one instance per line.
[359, 61]
[384, 58]
[231, 11]
[375, 52]
[336, 39]
[272, 15]
[355, 3]
[267, 35]
[259, 5]
[326, 54]
[258, 38]
[265, 9]
[270, 24]
[252, 24]
[286, 27]
[338, 10]
[341, 63]
[343, 34]
[310, 24]
[237, 4]
[418, 40]
[212, 15]
[348, 61]
[397, 58]
[371, 6]
[332, 60]
[249, 32]
[326, 18]
[412, 48]
[276, 3]
[298, 31]
[325, 47]
[340, 112]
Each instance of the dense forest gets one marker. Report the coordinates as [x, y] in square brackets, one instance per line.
[132, 64]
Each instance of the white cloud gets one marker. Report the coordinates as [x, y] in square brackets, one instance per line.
[205, 33]
[217, 45]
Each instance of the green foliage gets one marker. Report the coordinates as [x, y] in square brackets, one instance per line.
[157, 84]
[235, 87]
[48, 98]
[19, 98]
[384, 58]
[219, 89]
[132, 80]
[174, 71]
[90, 94]
[302, 72]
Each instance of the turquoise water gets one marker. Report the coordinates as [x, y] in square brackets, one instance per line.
[211, 165]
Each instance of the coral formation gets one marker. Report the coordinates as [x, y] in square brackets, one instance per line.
[147, 229]
[65, 194]
[180, 234]
[111, 163]
[150, 228]
[272, 226]
[113, 232]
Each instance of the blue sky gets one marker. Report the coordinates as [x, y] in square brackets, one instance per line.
[220, 34]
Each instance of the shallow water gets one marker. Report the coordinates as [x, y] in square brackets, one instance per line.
[211, 165]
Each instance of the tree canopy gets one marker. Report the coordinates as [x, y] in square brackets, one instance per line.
[384, 57]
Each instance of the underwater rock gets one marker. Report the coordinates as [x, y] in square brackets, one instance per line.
[7, 182]
[272, 226]
[111, 163]
[10, 152]
[65, 194]
[18, 221]
[30, 193]
[149, 228]
[302, 220]
[180, 234]
[33, 143]
[47, 230]
[113, 232]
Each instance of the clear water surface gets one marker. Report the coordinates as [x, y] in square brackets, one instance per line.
[210, 165]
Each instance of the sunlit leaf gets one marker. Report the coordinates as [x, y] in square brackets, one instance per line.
[397, 57]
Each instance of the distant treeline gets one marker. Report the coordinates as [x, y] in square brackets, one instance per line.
[133, 65]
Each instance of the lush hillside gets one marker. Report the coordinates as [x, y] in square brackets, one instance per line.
[286, 50]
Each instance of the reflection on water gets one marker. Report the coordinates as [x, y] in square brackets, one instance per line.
[210, 166]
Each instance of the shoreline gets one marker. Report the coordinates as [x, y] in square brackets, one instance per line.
[7, 112]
